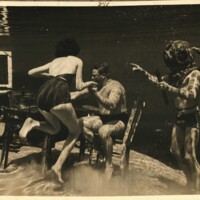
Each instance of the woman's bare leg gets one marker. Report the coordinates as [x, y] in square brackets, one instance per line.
[66, 114]
[50, 126]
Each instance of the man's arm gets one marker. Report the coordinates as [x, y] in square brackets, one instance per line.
[191, 91]
[188, 92]
[154, 80]
[110, 102]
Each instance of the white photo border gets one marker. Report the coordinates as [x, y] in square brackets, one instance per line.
[22, 3]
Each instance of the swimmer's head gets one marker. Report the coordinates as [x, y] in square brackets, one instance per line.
[178, 55]
[67, 47]
[100, 72]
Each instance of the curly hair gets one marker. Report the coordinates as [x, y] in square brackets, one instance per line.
[67, 47]
[178, 55]
[103, 68]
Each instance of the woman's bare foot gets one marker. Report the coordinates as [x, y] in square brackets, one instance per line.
[28, 125]
[58, 174]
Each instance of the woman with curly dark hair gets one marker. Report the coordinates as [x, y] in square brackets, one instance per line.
[53, 98]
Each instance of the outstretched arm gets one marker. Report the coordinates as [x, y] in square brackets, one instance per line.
[40, 71]
[80, 85]
[150, 77]
[189, 92]
[153, 79]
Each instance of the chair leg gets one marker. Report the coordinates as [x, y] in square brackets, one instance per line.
[90, 153]
[127, 158]
[6, 154]
[2, 153]
[5, 151]
[82, 148]
[98, 156]
[124, 163]
[46, 152]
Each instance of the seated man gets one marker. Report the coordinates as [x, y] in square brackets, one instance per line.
[111, 98]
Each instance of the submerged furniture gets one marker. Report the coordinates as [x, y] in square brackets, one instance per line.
[14, 109]
[50, 140]
[18, 106]
[124, 142]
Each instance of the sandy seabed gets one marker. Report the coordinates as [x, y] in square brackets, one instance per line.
[146, 176]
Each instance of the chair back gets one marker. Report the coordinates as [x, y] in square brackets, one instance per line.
[133, 121]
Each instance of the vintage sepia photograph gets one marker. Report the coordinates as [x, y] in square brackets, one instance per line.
[99, 101]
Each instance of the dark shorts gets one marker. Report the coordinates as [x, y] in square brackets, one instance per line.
[107, 118]
[122, 117]
[52, 93]
[188, 120]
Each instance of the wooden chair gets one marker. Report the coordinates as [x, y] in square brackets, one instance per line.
[10, 124]
[49, 142]
[12, 118]
[10, 134]
[125, 142]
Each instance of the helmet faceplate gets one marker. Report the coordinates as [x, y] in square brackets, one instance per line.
[178, 55]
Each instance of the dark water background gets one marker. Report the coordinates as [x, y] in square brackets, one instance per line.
[118, 35]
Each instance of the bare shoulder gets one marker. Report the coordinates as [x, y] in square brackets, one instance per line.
[195, 73]
[193, 76]
[116, 84]
[75, 59]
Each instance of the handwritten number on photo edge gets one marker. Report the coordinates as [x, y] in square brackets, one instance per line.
[103, 3]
